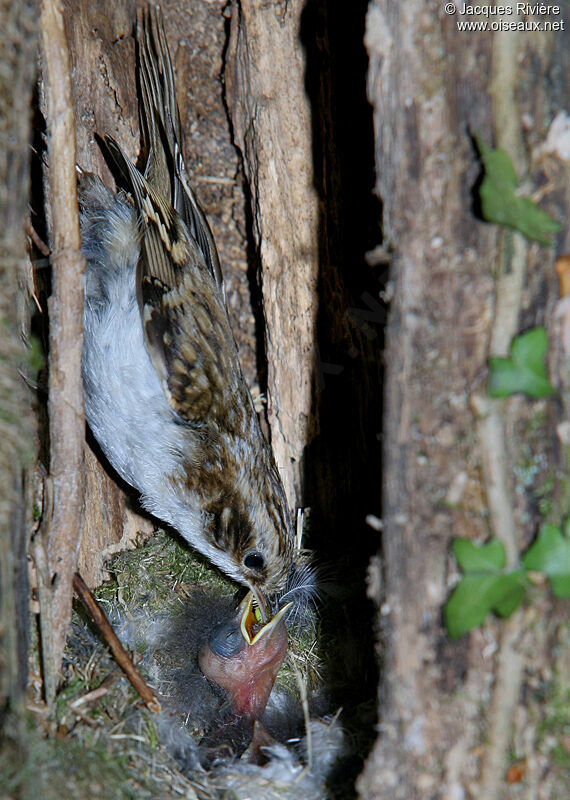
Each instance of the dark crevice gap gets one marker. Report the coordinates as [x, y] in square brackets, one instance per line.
[342, 469]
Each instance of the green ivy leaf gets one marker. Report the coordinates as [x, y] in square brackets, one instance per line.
[485, 587]
[500, 203]
[550, 554]
[525, 370]
[478, 558]
[513, 587]
[476, 595]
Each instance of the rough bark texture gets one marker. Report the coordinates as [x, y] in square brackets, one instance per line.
[272, 125]
[453, 716]
[57, 546]
[102, 55]
[18, 42]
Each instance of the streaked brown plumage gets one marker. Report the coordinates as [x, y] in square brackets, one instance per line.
[165, 394]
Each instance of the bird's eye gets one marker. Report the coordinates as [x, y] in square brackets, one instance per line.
[226, 640]
[254, 560]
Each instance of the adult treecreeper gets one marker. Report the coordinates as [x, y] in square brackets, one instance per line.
[164, 392]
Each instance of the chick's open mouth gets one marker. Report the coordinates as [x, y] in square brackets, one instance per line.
[253, 622]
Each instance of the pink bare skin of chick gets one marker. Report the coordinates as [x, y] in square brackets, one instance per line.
[243, 657]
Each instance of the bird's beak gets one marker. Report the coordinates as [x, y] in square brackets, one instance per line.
[253, 623]
[261, 602]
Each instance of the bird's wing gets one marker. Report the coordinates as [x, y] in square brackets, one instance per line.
[179, 280]
[183, 312]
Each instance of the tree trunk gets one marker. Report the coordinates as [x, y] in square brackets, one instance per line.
[18, 38]
[452, 716]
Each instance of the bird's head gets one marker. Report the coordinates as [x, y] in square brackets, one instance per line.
[252, 542]
[243, 656]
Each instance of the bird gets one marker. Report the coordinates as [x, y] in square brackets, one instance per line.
[220, 709]
[215, 666]
[243, 657]
[165, 396]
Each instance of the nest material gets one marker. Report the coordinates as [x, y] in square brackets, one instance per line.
[163, 601]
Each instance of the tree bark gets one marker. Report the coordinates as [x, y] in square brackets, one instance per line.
[451, 713]
[265, 90]
[18, 42]
[57, 546]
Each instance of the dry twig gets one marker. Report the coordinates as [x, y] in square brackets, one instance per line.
[121, 656]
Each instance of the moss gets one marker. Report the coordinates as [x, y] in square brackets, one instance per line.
[32, 766]
[158, 574]
[553, 729]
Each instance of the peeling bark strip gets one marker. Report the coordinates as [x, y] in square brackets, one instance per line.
[61, 536]
[265, 74]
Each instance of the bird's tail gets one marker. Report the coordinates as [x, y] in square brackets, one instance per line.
[162, 133]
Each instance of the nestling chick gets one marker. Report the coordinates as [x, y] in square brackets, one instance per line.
[219, 711]
[164, 392]
[244, 657]
[216, 667]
